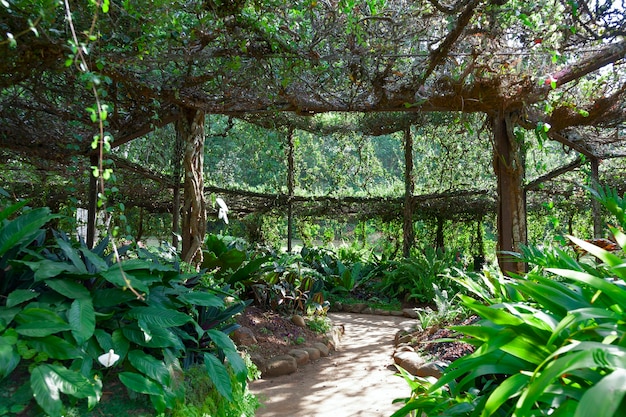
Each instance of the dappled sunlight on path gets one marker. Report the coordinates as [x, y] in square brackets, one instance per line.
[357, 380]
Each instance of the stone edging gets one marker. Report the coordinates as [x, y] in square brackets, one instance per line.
[363, 308]
[289, 363]
[407, 358]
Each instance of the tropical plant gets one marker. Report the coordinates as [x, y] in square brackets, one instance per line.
[72, 318]
[289, 286]
[413, 278]
[547, 343]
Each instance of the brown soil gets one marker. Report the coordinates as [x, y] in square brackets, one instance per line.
[275, 334]
[359, 379]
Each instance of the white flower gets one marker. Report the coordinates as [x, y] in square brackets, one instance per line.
[223, 210]
[108, 359]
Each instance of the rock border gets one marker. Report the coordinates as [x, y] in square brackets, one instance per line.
[411, 361]
[300, 356]
[363, 308]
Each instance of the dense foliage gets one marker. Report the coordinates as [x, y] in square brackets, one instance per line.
[74, 319]
[547, 343]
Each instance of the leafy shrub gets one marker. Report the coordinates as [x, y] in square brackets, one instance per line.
[68, 312]
[289, 286]
[202, 399]
[548, 343]
[413, 278]
[319, 324]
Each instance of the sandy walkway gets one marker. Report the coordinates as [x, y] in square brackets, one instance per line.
[354, 381]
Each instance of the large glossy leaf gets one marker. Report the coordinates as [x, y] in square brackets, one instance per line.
[157, 317]
[48, 381]
[604, 255]
[158, 337]
[617, 293]
[47, 268]
[605, 397]
[111, 297]
[201, 299]
[219, 375]
[150, 366]
[246, 271]
[55, 347]
[9, 358]
[145, 264]
[73, 255]
[508, 389]
[553, 296]
[580, 317]
[82, 319]
[39, 322]
[121, 344]
[93, 261]
[123, 279]
[19, 296]
[595, 355]
[140, 383]
[225, 343]
[69, 288]
[24, 229]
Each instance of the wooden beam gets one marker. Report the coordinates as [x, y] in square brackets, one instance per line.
[534, 185]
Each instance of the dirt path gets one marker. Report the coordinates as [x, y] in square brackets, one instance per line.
[357, 380]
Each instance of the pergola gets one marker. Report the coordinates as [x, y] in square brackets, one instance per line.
[555, 66]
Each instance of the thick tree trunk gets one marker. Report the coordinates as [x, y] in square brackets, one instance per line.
[290, 188]
[595, 204]
[409, 186]
[191, 128]
[177, 162]
[509, 169]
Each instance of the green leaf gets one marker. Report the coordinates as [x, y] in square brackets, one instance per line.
[20, 296]
[616, 293]
[604, 255]
[98, 263]
[594, 355]
[73, 255]
[604, 398]
[159, 317]
[48, 381]
[21, 231]
[204, 299]
[150, 366]
[508, 389]
[47, 268]
[82, 319]
[45, 390]
[219, 375]
[140, 383]
[9, 358]
[116, 276]
[10, 210]
[159, 338]
[69, 288]
[55, 347]
[120, 343]
[221, 340]
[111, 297]
[39, 322]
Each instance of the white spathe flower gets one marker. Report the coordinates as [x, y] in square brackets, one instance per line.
[223, 209]
[108, 359]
